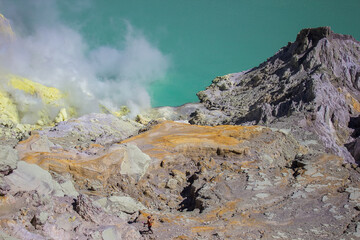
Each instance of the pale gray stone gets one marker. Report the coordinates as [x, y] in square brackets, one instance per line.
[69, 189]
[42, 144]
[172, 183]
[4, 236]
[29, 177]
[8, 159]
[115, 204]
[111, 234]
[135, 162]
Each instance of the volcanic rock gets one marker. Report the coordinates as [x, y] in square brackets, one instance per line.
[29, 177]
[237, 181]
[95, 128]
[92, 167]
[311, 84]
[8, 159]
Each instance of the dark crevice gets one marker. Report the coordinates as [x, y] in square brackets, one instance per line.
[74, 204]
[297, 166]
[190, 195]
[354, 123]
[354, 146]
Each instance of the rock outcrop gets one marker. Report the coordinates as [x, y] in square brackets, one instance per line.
[243, 182]
[309, 85]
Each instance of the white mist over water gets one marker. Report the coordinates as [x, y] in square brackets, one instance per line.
[47, 51]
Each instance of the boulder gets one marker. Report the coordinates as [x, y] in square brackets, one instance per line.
[118, 204]
[29, 177]
[135, 162]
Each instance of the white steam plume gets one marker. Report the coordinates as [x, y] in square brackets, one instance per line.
[49, 52]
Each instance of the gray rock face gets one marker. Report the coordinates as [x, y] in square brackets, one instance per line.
[35, 216]
[135, 162]
[316, 79]
[181, 113]
[29, 177]
[267, 187]
[122, 206]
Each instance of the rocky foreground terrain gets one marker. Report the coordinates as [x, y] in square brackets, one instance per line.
[271, 153]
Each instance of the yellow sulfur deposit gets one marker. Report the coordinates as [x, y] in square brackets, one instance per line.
[12, 109]
[53, 104]
[48, 95]
[5, 28]
[123, 111]
[52, 98]
[62, 116]
[8, 108]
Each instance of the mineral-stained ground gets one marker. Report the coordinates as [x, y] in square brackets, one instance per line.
[269, 153]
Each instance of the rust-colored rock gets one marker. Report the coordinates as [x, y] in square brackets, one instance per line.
[97, 162]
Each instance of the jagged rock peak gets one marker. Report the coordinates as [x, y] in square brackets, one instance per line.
[314, 34]
[310, 37]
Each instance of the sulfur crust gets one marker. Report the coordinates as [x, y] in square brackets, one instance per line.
[8, 108]
[48, 95]
[5, 28]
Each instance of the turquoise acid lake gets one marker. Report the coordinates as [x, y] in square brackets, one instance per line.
[206, 38]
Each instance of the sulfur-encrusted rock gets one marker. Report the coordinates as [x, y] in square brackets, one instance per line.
[25, 101]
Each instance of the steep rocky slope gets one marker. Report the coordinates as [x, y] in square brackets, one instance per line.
[309, 85]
